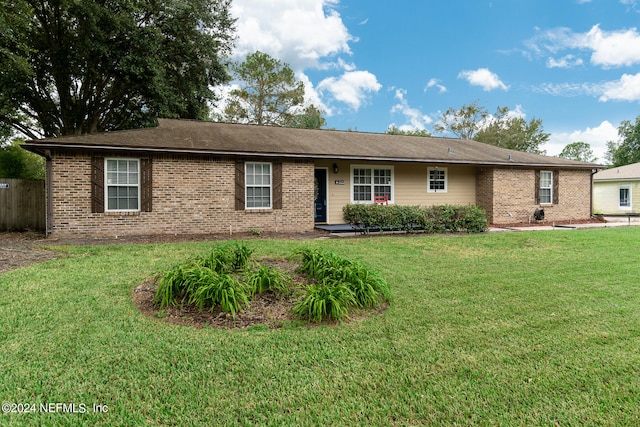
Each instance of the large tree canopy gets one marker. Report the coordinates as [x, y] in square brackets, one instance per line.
[310, 118]
[502, 129]
[395, 130]
[579, 150]
[627, 151]
[78, 66]
[513, 132]
[269, 92]
[463, 123]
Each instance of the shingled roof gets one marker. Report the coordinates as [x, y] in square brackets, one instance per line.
[622, 173]
[198, 137]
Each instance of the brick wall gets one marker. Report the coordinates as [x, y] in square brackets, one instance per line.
[508, 195]
[191, 195]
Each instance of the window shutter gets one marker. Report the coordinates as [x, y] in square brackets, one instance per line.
[239, 185]
[146, 185]
[537, 188]
[556, 187]
[277, 185]
[97, 184]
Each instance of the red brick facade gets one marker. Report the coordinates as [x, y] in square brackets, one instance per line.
[193, 194]
[190, 195]
[508, 195]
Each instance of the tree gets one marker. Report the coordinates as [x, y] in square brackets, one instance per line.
[269, 92]
[513, 132]
[580, 151]
[74, 67]
[15, 162]
[502, 129]
[394, 130]
[310, 118]
[463, 123]
[627, 151]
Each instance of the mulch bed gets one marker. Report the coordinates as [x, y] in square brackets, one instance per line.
[267, 309]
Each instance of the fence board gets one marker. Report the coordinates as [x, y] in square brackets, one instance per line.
[22, 204]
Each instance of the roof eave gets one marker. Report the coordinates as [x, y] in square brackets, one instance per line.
[41, 148]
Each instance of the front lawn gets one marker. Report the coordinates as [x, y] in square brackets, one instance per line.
[527, 328]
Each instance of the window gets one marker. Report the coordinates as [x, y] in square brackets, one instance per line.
[625, 196]
[368, 182]
[437, 180]
[546, 187]
[258, 185]
[122, 184]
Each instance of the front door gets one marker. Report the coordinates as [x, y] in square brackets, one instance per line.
[320, 195]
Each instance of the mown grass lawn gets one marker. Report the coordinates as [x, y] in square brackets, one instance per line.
[530, 328]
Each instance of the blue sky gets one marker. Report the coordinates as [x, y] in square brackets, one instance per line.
[575, 64]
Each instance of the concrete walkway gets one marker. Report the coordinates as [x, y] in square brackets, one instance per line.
[610, 222]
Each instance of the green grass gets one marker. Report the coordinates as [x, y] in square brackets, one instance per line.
[529, 328]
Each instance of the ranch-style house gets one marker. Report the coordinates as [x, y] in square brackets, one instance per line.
[193, 177]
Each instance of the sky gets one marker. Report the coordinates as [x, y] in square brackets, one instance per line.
[574, 64]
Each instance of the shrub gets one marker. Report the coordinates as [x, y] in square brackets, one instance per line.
[265, 279]
[324, 300]
[434, 219]
[365, 288]
[222, 278]
[220, 289]
[170, 286]
[206, 280]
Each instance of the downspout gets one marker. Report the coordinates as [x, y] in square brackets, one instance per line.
[49, 192]
[593, 172]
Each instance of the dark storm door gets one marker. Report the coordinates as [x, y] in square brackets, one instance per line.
[320, 202]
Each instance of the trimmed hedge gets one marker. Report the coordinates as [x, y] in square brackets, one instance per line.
[430, 219]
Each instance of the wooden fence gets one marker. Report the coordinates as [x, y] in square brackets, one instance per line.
[22, 205]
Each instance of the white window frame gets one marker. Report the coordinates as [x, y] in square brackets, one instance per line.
[261, 185]
[430, 181]
[108, 183]
[372, 184]
[550, 187]
[628, 188]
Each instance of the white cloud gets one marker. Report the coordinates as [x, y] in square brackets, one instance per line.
[614, 48]
[484, 78]
[435, 83]
[311, 95]
[625, 89]
[352, 88]
[415, 119]
[567, 61]
[609, 49]
[301, 33]
[597, 137]
[569, 89]
[632, 4]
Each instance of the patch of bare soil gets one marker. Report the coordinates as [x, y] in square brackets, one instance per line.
[181, 238]
[21, 249]
[266, 309]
